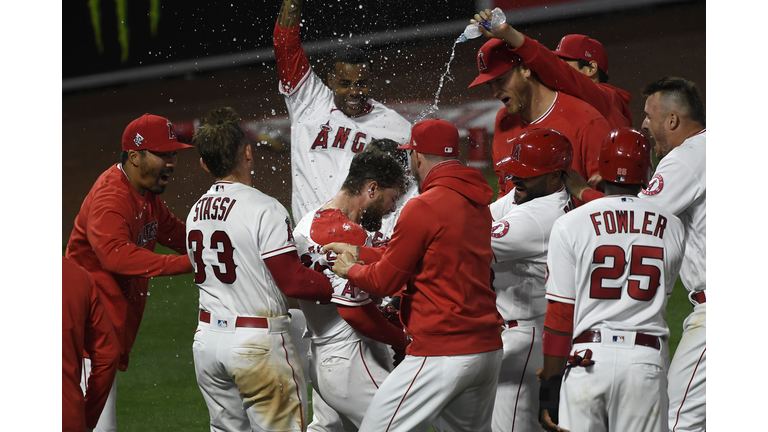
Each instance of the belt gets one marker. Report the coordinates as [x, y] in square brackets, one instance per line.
[240, 321]
[700, 297]
[511, 324]
[640, 339]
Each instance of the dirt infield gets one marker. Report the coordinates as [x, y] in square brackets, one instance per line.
[643, 45]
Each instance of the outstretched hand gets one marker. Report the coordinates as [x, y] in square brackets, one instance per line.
[575, 184]
[344, 262]
[504, 31]
[339, 248]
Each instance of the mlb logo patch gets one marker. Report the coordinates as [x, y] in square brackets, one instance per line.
[448, 150]
[223, 323]
[619, 339]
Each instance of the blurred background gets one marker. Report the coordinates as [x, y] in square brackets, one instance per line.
[205, 55]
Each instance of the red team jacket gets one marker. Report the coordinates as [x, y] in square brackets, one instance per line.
[611, 102]
[114, 240]
[584, 127]
[441, 248]
[84, 326]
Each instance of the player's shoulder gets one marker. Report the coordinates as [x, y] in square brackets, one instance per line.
[576, 111]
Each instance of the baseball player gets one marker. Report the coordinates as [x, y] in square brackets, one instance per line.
[578, 67]
[115, 233]
[85, 326]
[329, 124]
[529, 104]
[346, 366]
[441, 249]
[241, 244]
[612, 265]
[522, 221]
[675, 119]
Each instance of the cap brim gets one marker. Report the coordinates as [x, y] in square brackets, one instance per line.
[482, 79]
[405, 147]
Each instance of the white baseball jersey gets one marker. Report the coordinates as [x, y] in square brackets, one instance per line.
[616, 259]
[324, 140]
[519, 239]
[231, 230]
[315, 229]
[679, 185]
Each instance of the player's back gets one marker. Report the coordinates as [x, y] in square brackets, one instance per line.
[231, 230]
[624, 255]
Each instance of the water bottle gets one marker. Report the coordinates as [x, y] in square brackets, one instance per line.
[471, 32]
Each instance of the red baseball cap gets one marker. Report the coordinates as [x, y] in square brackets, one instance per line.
[435, 137]
[494, 59]
[153, 133]
[576, 46]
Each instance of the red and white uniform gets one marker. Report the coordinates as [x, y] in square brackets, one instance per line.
[323, 138]
[448, 377]
[679, 185]
[85, 326]
[611, 102]
[519, 238]
[346, 368]
[114, 239]
[616, 259]
[584, 127]
[231, 230]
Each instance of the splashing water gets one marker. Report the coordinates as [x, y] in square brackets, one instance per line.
[433, 108]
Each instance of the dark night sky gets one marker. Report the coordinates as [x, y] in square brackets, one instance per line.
[197, 29]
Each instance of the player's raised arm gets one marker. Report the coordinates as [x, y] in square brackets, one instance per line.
[290, 13]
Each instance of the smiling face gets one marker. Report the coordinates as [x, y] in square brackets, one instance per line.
[155, 170]
[350, 84]
[654, 125]
[513, 89]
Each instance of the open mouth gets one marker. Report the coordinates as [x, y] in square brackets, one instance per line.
[505, 101]
[164, 177]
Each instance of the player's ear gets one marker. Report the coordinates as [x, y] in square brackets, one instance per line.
[673, 120]
[592, 69]
[202, 164]
[372, 187]
[330, 80]
[134, 157]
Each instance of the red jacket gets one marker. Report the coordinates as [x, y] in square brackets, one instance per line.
[84, 326]
[114, 240]
[441, 248]
[612, 102]
[584, 127]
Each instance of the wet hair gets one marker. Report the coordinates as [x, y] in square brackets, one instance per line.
[601, 75]
[374, 165]
[350, 55]
[220, 141]
[680, 95]
[390, 147]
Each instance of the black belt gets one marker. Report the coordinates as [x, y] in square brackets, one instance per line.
[640, 339]
[240, 321]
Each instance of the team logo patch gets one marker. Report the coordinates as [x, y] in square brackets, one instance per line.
[171, 132]
[481, 62]
[516, 154]
[500, 229]
[655, 185]
[138, 140]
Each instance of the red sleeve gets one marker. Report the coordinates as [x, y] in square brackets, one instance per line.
[172, 231]
[292, 61]
[104, 351]
[110, 237]
[405, 249]
[559, 316]
[297, 281]
[369, 322]
[555, 73]
[370, 255]
[591, 137]
[591, 195]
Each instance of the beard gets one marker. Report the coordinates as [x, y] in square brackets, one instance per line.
[371, 219]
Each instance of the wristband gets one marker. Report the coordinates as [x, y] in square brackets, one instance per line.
[549, 397]
[555, 345]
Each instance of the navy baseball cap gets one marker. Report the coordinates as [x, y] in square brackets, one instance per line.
[435, 137]
[153, 133]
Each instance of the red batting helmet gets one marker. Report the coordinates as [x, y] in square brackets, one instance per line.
[625, 157]
[536, 152]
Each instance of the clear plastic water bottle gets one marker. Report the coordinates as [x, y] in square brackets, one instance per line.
[471, 31]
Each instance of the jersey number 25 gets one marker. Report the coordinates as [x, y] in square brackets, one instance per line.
[637, 269]
[224, 268]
